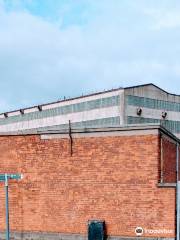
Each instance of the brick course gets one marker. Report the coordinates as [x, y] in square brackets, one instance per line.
[108, 178]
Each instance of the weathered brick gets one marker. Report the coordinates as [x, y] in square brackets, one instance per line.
[107, 178]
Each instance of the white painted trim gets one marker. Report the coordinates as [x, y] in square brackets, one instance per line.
[30, 110]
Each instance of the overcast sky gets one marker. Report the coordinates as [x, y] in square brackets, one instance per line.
[55, 48]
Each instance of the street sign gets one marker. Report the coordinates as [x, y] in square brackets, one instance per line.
[10, 176]
[4, 178]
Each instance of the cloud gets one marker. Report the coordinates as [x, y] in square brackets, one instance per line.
[165, 18]
[4, 104]
[87, 47]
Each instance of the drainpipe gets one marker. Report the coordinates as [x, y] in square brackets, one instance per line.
[177, 194]
[7, 208]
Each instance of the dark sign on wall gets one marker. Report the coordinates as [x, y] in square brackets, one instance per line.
[96, 230]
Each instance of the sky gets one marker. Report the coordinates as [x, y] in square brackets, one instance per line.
[55, 48]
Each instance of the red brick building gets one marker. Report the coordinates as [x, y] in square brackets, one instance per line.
[124, 176]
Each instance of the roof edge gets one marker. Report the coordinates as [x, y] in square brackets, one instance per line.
[64, 100]
[96, 130]
[152, 84]
[89, 95]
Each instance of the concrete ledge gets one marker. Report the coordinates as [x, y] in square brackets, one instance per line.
[167, 185]
[42, 236]
[61, 236]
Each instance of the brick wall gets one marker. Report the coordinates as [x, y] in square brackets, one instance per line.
[168, 160]
[108, 178]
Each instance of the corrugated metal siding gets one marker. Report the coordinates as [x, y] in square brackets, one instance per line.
[153, 103]
[173, 126]
[73, 108]
[104, 122]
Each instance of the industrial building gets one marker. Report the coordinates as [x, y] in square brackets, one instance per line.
[133, 105]
[124, 177]
[105, 163]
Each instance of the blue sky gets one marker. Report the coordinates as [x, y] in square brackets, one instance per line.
[55, 48]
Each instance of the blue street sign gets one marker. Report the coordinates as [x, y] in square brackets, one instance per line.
[10, 176]
[4, 178]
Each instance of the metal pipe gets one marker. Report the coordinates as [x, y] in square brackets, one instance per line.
[70, 137]
[162, 158]
[177, 194]
[7, 207]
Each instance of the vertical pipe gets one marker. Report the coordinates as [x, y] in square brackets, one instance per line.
[7, 207]
[177, 194]
[162, 159]
[70, 137]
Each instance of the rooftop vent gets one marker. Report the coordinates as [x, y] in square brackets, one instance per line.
[22, 111]
[39, 108]
[5, 115]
